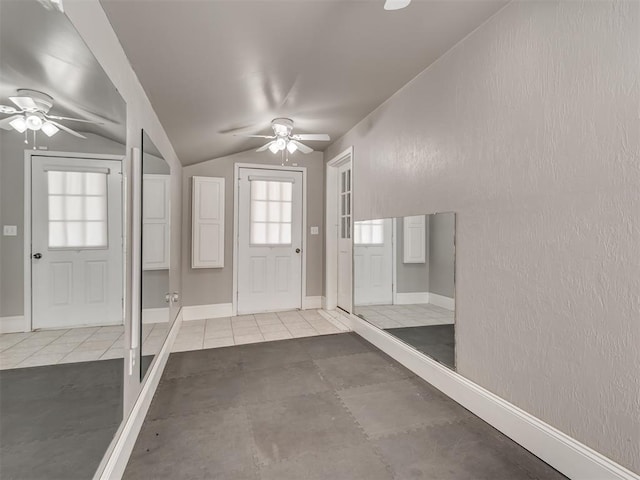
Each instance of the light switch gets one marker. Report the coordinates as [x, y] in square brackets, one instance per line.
[315, 230]
[10, 230]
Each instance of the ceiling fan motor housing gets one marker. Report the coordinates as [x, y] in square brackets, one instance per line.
[282, 127]
[42, 100]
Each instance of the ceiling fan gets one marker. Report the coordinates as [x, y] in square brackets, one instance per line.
[283, 139]
[396, 4]
[32, 113]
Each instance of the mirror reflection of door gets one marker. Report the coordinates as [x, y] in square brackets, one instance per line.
[269, 240]
[156, 235]
[373, 262]
[344, 237]
[76, 242]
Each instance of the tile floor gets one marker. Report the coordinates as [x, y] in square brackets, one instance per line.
[261, 327]
[51, 347]
[397, 316]
[326, 407]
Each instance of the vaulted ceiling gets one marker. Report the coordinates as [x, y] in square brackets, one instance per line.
[213, 68]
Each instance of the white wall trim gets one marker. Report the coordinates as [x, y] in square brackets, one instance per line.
[200, 312]
[442, 301]
[13, 324]
[411, 298]
[331, 225]
[559, 450]
[336, 319]
[155, 315]
[309, 303]
[117, 456]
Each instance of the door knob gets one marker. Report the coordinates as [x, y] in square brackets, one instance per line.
[37, 256]
[167, 297]
[297, 250]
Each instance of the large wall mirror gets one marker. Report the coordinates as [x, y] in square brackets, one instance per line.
[155, 259]
[62, 145]
[404, 280]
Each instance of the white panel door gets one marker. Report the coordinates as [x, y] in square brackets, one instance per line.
[207, 242]
[76, 242]
[373, 262]
[344, 237]
[156, 221]
[269, 240]
[414, 239]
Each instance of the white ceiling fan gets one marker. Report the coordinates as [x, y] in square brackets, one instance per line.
[396, 4]
[32, 113]
[283, 139]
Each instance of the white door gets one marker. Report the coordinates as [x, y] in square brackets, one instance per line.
[76, 242]
[344, 237]
[269, 240]
[373, 262]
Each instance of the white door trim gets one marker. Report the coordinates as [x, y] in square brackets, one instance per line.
[236, 200]
[28, 154]
[331, 225]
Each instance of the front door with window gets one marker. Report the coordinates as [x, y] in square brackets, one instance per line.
[76, 242]
[269, 240]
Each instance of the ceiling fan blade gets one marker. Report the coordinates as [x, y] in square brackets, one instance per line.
[67, 129]
[396, 4]
[56, 117]
[253, 136]
[4, 123]
[8, 110]
[301, 146]
[25, 103]
[315, 137]
[264, 147]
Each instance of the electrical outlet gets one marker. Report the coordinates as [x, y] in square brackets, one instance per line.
[315, 230]
[10, 230]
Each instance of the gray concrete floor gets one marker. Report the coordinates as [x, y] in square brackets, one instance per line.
[328, 407]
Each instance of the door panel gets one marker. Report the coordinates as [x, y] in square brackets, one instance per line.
[373, 262]
[77, 232]
[269, 240]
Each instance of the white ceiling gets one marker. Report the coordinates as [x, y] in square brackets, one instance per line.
[213, 67]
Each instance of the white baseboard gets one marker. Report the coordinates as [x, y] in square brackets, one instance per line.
[323, 302]
[200, 312]
[13, 324]
[336, 319]
[310, 303]
[155, 315]
[442, 301]
[565, 454]
[412, 298]
[115, 461]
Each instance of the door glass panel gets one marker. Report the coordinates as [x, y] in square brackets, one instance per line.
[369, 232]
[271, 206]
[77, 204]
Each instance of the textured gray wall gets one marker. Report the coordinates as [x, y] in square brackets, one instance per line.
[12, 149]
[410, 277]
[204, 286]
[442, 254]
[528, 130]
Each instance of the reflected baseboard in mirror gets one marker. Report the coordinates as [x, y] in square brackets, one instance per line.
[404, 281]
[155, 260]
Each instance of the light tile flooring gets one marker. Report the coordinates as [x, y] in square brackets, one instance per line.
[397, 316]
[261, 327]
[50, 347]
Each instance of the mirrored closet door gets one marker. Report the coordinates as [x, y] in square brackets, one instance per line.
[62, 145]
[404, 280]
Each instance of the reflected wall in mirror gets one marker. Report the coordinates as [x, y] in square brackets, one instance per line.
[404, 273]
[61, 357]
[156, 234]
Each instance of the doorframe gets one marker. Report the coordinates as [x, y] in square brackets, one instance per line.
[330, 300]
[28, 156]
[236, 221]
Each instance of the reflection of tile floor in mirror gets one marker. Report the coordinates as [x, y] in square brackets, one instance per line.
[50, 347]
[397, 316]
[261, 327]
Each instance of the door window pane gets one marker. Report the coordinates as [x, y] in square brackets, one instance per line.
[270, 217]
[369, 232]
[77, 204]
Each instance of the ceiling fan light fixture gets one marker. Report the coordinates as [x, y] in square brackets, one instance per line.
[33, 122]
[292, 147]
[19, 124]
[281, 143]
[274, 148]
[49, 129]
